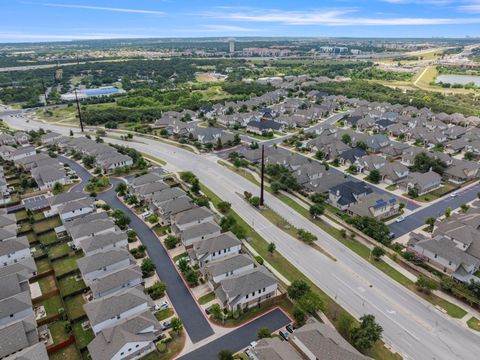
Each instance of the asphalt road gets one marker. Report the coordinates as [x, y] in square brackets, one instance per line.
[241, 338]
[411, 325]
[437, 209]
[196, 325]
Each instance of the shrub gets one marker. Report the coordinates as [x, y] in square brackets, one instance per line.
[259, 259]
[148, 267]
[171, 242]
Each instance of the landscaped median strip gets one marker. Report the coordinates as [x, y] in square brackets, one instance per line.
[332, 310]
[361, 250]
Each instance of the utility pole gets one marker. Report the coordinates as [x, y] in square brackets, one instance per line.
[262, 175]
[78, 110]
[44, 92]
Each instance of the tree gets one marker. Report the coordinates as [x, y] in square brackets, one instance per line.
[121, 219]
[297, 289]
[271, 248]
[372, 227]
[345, 324]
[430, 221]
[183, 265]
[177, 324]
[401, 206]
[367, 334]
[306, 236]
[377, 252]
[254, 201]
[347, 139]
[148, 267]
[319, 155]
[195, 186]
[152, 219]
[374, 176]
[171, 242]
[311, 303]
[223, 206]
[247, 195]
[299, 316]
[423, 163]
[448, 212]
[464, 207]
[317, 210]
[425, 285]
[225, 355]
[263, 333]
[412, 192]
[362, 145]
[216, 311]
[191, 276]
[121, 188]
[88, 161]
[157, 290]
[57, 188]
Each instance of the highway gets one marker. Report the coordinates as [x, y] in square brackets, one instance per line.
[412, 326]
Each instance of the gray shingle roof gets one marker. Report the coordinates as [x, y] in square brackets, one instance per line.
[34, 352]
[13, 245]
[17, 336]
[112, 305]
[91, 227]
[99, 260]
[25, 267]
[103, 240]
[15, 304]
[227, 264]
[13, 284]
[223, 241]
[108, 342]
[65, 197]
[115, 279]
[195, 214]
[199, 230]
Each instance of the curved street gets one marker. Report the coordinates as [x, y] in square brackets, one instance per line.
[411, 325]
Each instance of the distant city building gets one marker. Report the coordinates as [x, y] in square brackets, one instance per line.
[231, 46]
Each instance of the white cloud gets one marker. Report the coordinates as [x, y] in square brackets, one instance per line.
[7, 36]
[227, 28]
[330, 17]
[102, 8]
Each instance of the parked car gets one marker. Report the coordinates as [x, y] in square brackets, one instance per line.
[250, 354]
[283, 334]
[166, 325]
[162, 306]
[454, 194]
[289, 328]
[146, 214]
[399, 219]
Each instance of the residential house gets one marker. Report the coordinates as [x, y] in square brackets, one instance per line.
[462, 171]
[76, 208]
[37, 351]
[6, 151]
[113, 309]
[168, 209]
[259, 127]
[421, 182]
[21, 137]
[378, 206]
[132, 338]
[115, 281]
[224, 267]
[83, 230]
[7, 139]
[25, 267]
[22, 152]
[50, 138]
[346, 194]
[247, 289]
[16, 308]
[13, 249]
[199, 232]
[191, 217]
[215, 247]
[47, 176]
[104, 262]
[18, 336]
[104, 242]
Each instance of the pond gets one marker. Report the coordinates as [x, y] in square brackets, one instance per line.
[458, 79]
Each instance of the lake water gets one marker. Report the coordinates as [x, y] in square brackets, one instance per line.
[101, 91]
[458, 79]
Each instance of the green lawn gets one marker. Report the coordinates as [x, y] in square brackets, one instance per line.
[42, 265]
[206, 298]
[25, 227]
[58, 250]
[474, 323]
[57, 329]
[437, 194]
[37, 216]
[21, 215]
[391, 187]
[74, 306]
[47, 224]
[52, 305]
[171, 349]
[282, 265]
[47, 284]
[67, 353]
[31, 237]
[66, 265]
[161, 230]
[164, 314]
[82, 337]
[48, 238]
[69, 284]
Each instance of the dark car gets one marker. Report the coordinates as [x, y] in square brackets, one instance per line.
[283, 334]
[289, 328]
[166, 325]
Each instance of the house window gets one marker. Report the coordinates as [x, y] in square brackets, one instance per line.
[122, 353]
[137, 345]
[246, 297]
[435, 256]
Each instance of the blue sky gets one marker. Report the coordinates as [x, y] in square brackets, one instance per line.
[55, 20]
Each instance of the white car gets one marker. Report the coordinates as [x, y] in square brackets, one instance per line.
[399, 219]
[162, 306]
[146, 214]
[453, 194]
